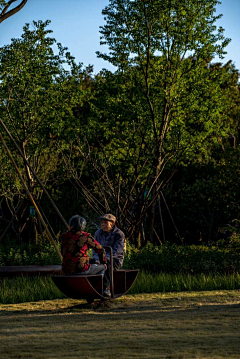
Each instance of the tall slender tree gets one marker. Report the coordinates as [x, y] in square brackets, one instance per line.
[164, 47]
[37, 94]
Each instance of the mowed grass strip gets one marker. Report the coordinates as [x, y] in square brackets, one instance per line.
[27, 289]
[171, 326]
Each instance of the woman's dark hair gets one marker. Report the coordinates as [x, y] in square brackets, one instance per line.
[77, 223]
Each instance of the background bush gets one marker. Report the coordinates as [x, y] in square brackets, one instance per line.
[28, 254]
[171, 258]
[168, 258]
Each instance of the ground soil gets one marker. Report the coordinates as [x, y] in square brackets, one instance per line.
[171, 326]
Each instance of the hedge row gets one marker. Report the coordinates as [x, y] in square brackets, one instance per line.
[28, 254]
[168, 258]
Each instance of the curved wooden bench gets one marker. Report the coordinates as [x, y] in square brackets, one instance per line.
[90, 287]
[81, 286]
[123, 280]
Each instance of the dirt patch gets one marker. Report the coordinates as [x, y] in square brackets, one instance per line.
[171, 326]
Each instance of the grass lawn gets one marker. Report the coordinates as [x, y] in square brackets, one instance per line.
[182, 325]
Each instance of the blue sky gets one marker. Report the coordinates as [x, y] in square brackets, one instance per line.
[75, 23]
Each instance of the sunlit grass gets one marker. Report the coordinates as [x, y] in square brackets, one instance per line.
[186, 325]
[153, 283]
[30, 289]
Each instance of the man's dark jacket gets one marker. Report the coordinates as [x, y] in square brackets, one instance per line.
[115, 239]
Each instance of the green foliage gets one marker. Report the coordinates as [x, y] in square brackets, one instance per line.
[164, 48]
[203, 198]
[175, 28]
[38, 91]
[231, 233]
[2, 4]
[170, 258]
[166, 104]
[166, 107]
[28, 254]
[167, 258]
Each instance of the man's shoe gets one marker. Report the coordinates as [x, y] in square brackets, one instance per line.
[107, 293]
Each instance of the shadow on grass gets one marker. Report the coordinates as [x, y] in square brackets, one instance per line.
[112, 307]
[170, 326]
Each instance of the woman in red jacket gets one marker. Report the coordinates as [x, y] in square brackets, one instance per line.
[75, 250]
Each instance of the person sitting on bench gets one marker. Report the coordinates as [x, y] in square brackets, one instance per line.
[75, 247]
[110, 235]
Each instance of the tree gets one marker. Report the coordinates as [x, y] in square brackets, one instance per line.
[37, 94]
[206, 195]
[162, 50]
[4, 8]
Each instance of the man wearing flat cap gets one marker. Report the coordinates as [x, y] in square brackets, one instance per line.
[110, 235]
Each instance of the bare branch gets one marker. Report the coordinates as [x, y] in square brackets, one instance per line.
[6, 14]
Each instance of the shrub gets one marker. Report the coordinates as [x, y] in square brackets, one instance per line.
[231, 234]
[168, 258]
[28, 254]
[171, 258]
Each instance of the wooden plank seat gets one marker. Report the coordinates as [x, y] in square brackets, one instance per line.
[13, 271]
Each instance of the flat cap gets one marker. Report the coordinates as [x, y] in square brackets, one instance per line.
[109, 217]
